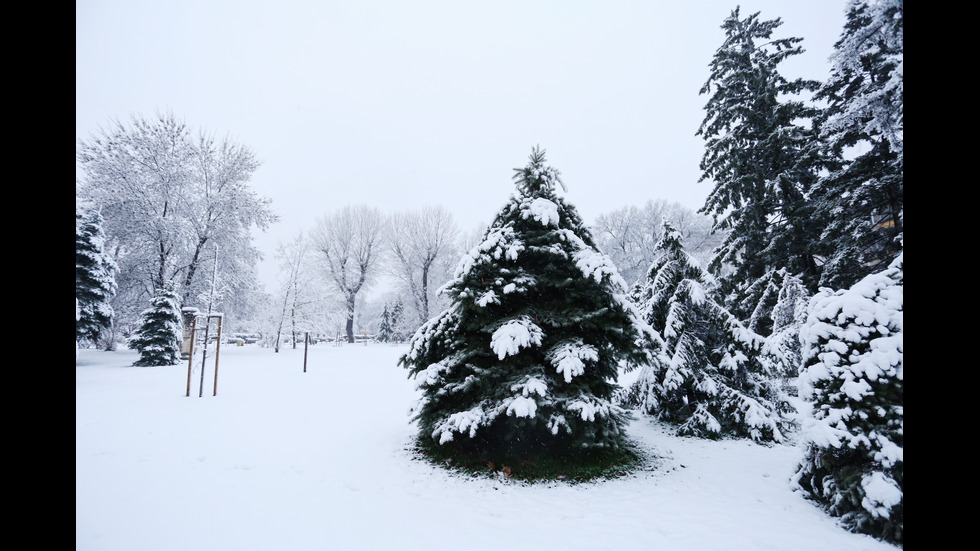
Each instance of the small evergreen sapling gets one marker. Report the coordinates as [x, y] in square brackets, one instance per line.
[395, 319]
[160, 332]
[385, 332]
[853, 463]
[713, 382]
[523, 363]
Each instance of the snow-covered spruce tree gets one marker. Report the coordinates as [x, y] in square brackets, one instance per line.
[761, 158]
[397, 320]
[159, 334]
[385, 332]
[782, 349]
[95, 282]
[714, 383]
[524, 361]
[853, 377]
[862, 198]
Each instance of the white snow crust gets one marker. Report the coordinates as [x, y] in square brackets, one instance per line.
[543, 210]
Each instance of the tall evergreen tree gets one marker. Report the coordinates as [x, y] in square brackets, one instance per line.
[524, 361]
[782, 349]
[714, 382]
[160, 332]
[853, 463]
[759, 154]
[95, 283]
[862, 198]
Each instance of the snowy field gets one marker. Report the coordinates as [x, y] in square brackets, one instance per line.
[289, 461]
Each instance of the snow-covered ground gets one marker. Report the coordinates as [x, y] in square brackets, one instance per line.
[289, 461]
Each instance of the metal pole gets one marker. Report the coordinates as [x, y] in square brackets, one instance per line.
[217, 348]
[306, 348]
[190, 355]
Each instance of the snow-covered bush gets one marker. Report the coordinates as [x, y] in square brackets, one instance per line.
[853, 377]
[160, 332]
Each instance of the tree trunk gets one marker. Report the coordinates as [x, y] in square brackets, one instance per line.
[109, 338]
[425, 291]
[350, 319]
[192, 267]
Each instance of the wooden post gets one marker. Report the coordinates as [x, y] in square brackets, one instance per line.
[190, 356]
[306, 348]
[204, 354]
[217, 348]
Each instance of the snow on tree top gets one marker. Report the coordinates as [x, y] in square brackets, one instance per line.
[543, 210]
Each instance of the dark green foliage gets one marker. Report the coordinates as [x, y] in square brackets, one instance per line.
[160, 332]
[759, 153]
[545, 465]
[524, 361]
[95, 270]
[762, 293]
[713, 382]
[863, 198]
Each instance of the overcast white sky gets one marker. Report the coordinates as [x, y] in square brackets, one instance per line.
[401, 104]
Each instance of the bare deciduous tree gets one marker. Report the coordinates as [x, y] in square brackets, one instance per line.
[629, 235]
[350, 241]
[292, 260]
[421, 243]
